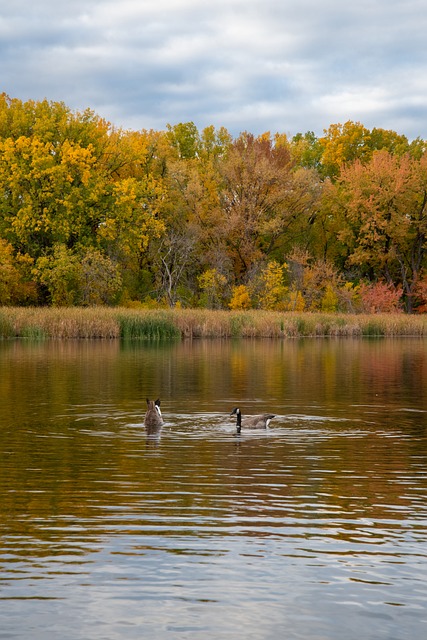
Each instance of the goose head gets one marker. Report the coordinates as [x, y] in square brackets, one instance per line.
[236, 412]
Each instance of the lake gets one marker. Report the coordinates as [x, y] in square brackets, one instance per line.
[314, 529]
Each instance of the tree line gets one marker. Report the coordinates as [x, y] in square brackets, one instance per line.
[91, 214]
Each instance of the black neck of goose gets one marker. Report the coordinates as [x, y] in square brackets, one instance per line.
[239, 422]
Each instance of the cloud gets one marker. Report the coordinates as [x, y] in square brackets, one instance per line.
[252, 65]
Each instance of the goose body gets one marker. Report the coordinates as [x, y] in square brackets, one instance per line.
[153, 418]
[261, 421]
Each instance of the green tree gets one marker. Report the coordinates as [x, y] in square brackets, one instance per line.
[307, 150]
[185, 139]
[100, 281]
[59, 273]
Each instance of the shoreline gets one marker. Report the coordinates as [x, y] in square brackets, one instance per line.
[151, 324]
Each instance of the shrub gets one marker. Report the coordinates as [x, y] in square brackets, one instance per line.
[59, 273]
[329, 301]
[240, 298]
[381, 297]
[212, 283]
[273, 291]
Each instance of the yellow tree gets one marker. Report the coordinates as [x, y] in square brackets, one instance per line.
[344, 143]
[70, 180]
[272, 290]
[212, 284]
[240, 298]
[45, 193]
[15, 283]
[190, 243]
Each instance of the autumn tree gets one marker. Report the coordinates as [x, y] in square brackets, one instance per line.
[185, 139]
[213, 285]
[271, 288]
[46, 191]
[263, 201]
[191, 242]
[380, 297]
[383, 211]
[16, 287]
[240, 298]
[99, 279]
[307, 150]
[69, 180]
[90, 213]
[58, 272]
[343, 144]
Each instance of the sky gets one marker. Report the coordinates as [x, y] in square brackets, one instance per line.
[284, 66]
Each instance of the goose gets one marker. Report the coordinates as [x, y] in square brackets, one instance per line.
[153, 418]
[252, 422]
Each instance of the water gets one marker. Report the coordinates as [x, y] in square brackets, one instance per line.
[314, 530]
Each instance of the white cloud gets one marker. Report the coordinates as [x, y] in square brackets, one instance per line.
[251, 65]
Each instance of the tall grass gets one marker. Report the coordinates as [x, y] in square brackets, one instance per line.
[152, 325]
[103, 322]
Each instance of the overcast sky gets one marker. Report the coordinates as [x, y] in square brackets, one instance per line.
[249, 65]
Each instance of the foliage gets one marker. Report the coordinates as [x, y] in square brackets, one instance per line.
[380, 297]
[213, 285]
[296, 300]
[307, 150]
[383, 209]
[272, 289]
[240, 298]
[343, 144]
[92, 215]
[87, 279]
[420, 295]
[14, 285]
[59, 272]
[329, 300]
[99, 279]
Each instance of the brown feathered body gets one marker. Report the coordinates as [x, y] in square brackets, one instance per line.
[153, 418]
[261, 421]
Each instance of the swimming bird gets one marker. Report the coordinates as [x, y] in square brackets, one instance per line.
[252, 422]
[153, 418]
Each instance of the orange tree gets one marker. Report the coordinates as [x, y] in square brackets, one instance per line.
[381, 215]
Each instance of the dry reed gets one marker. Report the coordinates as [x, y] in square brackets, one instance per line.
[112, 323]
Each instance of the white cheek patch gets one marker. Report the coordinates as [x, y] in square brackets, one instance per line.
[268, 422]
[158, 410]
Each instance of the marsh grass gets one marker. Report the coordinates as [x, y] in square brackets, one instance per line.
[154, 325]
[146, 324]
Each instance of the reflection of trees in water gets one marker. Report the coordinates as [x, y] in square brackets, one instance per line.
[76, 467]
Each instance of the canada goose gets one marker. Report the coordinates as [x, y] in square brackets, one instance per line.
[252, 422]
[153, 418]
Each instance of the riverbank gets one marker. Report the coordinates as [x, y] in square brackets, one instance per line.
[114, 323]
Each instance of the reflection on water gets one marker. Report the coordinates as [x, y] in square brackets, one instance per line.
[315, 529]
